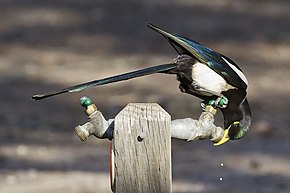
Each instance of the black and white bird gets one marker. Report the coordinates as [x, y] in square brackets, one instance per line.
[201, 72]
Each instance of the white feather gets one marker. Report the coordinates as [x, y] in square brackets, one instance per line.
[240, 73]
[205, 77]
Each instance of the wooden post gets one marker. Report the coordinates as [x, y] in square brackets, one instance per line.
[142, 150]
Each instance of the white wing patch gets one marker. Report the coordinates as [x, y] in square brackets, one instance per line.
[240, 73]
[208, 79]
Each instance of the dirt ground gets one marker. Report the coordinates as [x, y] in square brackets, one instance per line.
[51, 44]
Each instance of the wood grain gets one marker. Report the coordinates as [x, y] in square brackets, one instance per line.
[142, 149]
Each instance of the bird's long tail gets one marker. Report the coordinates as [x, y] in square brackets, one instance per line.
[163, 68]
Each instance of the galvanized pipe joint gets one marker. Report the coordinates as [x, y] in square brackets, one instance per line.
[185, 129]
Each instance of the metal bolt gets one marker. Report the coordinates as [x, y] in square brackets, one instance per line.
[82, 133]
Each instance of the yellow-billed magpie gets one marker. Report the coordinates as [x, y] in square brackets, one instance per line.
[201, 72]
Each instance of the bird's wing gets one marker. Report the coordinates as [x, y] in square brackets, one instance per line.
[221, 65]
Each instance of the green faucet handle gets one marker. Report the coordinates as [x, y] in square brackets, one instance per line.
[85, 101]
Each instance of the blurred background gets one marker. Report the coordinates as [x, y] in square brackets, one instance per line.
[51, 44]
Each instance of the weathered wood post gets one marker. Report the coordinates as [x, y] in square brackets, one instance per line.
[142, 150]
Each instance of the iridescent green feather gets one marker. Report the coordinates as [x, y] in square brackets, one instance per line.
[204, 55]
